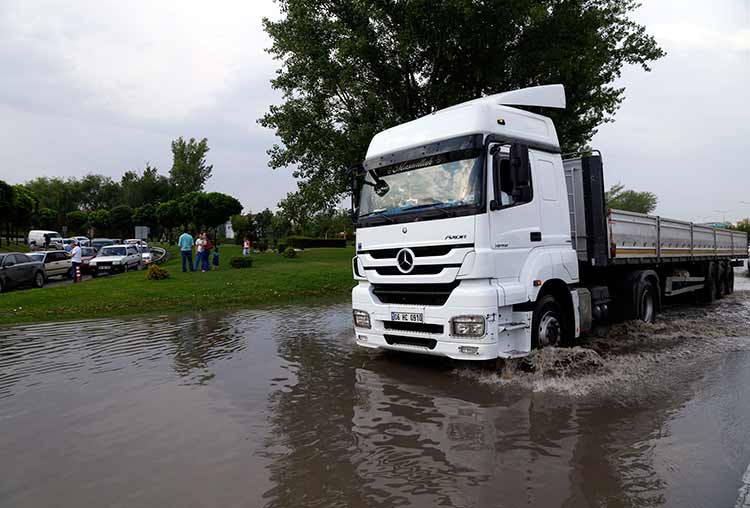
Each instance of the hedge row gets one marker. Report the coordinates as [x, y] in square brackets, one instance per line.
[306, 242]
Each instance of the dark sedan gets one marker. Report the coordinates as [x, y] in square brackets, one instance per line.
[18, 269]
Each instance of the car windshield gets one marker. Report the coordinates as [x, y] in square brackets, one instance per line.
[443, 181]
[113, 251]
[87, 251]
[37, 256]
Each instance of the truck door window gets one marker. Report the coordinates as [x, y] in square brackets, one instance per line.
[507, 192]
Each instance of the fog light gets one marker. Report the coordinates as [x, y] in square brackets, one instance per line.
[468, 326]
[361, 319]
[468, 350]
[362, 338]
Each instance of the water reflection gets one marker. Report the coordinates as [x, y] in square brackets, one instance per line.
[277, 408]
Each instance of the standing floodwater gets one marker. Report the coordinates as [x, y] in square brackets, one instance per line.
[278, 408]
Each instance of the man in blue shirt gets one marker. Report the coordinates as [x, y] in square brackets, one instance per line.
[186, 249]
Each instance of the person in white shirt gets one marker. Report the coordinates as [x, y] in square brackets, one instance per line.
[199, 244]
[75, 268]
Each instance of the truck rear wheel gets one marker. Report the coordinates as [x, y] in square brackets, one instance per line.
[646, 304]
[730, 281]
[709, 286]
[721, 275]
[548, 324]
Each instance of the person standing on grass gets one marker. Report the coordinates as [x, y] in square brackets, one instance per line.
[216, 257]
[207, 246]
[75, 265]
[186, 249]
[246, 247]
[199, 248]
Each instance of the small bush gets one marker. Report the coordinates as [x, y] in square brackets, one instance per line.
[289, 252]
[280, 247]
[241, 262]
[262, 246]
[156, 272]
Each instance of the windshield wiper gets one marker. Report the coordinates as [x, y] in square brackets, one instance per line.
[431, 206]
[376, 215]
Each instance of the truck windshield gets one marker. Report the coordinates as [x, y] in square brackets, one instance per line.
[445, 182]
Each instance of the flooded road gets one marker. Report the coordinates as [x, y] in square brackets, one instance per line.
[277, 408]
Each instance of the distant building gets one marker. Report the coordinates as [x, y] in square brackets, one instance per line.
[228, 230]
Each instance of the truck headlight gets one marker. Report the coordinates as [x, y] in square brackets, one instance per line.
[468, 326]
[361, 319]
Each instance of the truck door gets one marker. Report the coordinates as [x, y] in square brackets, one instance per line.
[514, 210]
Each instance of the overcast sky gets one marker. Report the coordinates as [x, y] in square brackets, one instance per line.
[103, 86]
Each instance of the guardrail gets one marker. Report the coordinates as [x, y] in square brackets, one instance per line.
[159, 255]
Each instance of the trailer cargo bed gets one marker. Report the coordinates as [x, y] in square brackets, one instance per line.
[604, 237]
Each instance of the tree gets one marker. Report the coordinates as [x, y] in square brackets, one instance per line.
[6, 207]
[121, 220]
[149, 187]
[24, 205]
[742, 225]
[169, 215]
[632, 201]
[46, 218]
[220, 208]
[76, 221]
[243, 227]
[189, 169]
[145, 216]
[99, 219]
[263, 222]
[350, 68]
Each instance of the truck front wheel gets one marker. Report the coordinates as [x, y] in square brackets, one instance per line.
[548, 324]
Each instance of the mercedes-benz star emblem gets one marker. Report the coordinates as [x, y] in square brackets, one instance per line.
[405, 260]
[404, 230]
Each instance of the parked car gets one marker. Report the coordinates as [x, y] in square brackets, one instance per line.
[68, 244]
[39, 238]
[145, 253]
[115, 259]
[135, 241]
[87, 254]
[83, 241]
[56, 262]
[98, 243]
[18, 269]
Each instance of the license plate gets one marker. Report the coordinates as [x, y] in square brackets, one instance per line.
[103, 268]
[411, 317]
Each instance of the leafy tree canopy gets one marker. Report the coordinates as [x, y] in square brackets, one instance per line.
[46, 218]
[189, 169]
[350, 68]
[632, 201]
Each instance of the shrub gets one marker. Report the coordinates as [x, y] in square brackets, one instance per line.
[280, 247]
[306, 242]
[241, 262]
[262, 246]
[156, 272]
[289, 252]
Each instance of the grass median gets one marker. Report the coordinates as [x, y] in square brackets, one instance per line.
[273, 279]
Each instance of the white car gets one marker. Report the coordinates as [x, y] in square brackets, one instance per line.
[56, 262]
[115, 259]
[145, 253]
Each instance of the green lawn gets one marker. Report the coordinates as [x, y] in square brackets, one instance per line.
[13, 247]
[315, 274]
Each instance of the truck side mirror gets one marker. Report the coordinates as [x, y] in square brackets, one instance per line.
[354, 173]
[520, 168]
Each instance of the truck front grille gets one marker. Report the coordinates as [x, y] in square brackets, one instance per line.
[430, 250]
[414, 294]
[417, 270]
[406, 326]
[400, 340]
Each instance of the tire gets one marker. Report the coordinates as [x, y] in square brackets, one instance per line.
[647, 301]
[721, 274]
[549, 327]
[125, 268]
[709, 286]
[38, 281]
[2, 286]
[730, 281]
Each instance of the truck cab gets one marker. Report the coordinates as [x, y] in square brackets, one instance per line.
[462, 224]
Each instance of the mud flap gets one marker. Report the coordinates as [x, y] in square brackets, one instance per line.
[514, 334]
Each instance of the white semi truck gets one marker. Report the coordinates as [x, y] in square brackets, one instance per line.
[477, 240]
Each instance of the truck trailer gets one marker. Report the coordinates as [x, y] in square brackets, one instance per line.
[476, 239]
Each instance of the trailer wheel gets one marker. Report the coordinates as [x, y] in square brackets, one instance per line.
[548, 324]
[730, 281]
[721, 275]
[709, 286]
[646, 304]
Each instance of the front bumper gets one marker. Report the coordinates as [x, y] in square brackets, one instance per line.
[471, 297]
